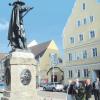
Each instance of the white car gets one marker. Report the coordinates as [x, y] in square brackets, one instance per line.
[53, 87]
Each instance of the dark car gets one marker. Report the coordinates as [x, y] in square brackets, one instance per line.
[65, 88]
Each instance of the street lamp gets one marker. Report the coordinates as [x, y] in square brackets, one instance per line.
[38, 72]
[54, 62]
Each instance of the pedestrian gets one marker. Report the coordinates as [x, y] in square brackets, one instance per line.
[79, 90]
[96, 89]
[71, 91]
[77, 85]
[88, 89]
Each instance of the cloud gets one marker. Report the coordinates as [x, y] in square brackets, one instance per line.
[4, 26]
[33, 43]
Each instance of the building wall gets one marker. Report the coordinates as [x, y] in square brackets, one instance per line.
[45, 62]
[80, 36]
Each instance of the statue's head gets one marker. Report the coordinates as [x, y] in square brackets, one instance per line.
[19, 2]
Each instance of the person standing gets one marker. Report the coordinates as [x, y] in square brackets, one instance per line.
[70, 91]
[77, 86]
[88, 89]
[96, 89]
[79, 90]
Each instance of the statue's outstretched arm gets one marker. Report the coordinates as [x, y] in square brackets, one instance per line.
[27, 9]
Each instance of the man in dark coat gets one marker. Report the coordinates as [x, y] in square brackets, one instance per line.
[88, 89]
[96, 89]
[79, 89]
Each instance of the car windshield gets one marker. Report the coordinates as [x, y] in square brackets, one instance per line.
[56, 83]
[53, 83]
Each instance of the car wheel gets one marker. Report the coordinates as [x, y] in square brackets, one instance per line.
[53, 89]
[61, 90]
[44, 89]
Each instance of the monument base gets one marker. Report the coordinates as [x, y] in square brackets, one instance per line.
[21, 83]
[20, 96]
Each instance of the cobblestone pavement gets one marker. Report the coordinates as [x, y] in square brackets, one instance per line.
[46, 95]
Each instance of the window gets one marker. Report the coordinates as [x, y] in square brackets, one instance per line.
[83, 6]
[79, 55]
[84, 20]
[86, 73]
[53, 58]
[70, 74]
[84, 54]
[70, 57]
[91, 19]
[60, 60]
[81, 37]
[94, 52]
[78, 23]
[71, 40]
[78, 73]
[92, 34]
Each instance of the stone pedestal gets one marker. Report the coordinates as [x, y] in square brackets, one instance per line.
[21, 82]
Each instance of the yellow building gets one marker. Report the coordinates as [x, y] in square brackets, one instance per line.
[49, 63]
[81, 41]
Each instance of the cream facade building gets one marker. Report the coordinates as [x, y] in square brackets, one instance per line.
[81, 41]
[49, 62]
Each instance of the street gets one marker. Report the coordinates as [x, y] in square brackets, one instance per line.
[46, 95]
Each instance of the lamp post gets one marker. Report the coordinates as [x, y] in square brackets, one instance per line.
[39, 78]
[38, 72]
[53, 57]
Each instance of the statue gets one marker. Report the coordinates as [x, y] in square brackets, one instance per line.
[16, 33]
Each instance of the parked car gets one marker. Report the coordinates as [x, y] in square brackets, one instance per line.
[53, 87]
[2, 86]
[65, 87]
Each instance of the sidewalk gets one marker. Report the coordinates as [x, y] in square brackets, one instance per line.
[69, 97]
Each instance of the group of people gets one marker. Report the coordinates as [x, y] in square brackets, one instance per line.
[83, 90]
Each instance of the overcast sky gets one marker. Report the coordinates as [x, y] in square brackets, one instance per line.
[45, 22]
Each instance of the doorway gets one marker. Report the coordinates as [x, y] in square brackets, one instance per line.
[55, 78]
[98, 73]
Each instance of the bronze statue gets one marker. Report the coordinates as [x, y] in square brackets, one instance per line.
[16, 33]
